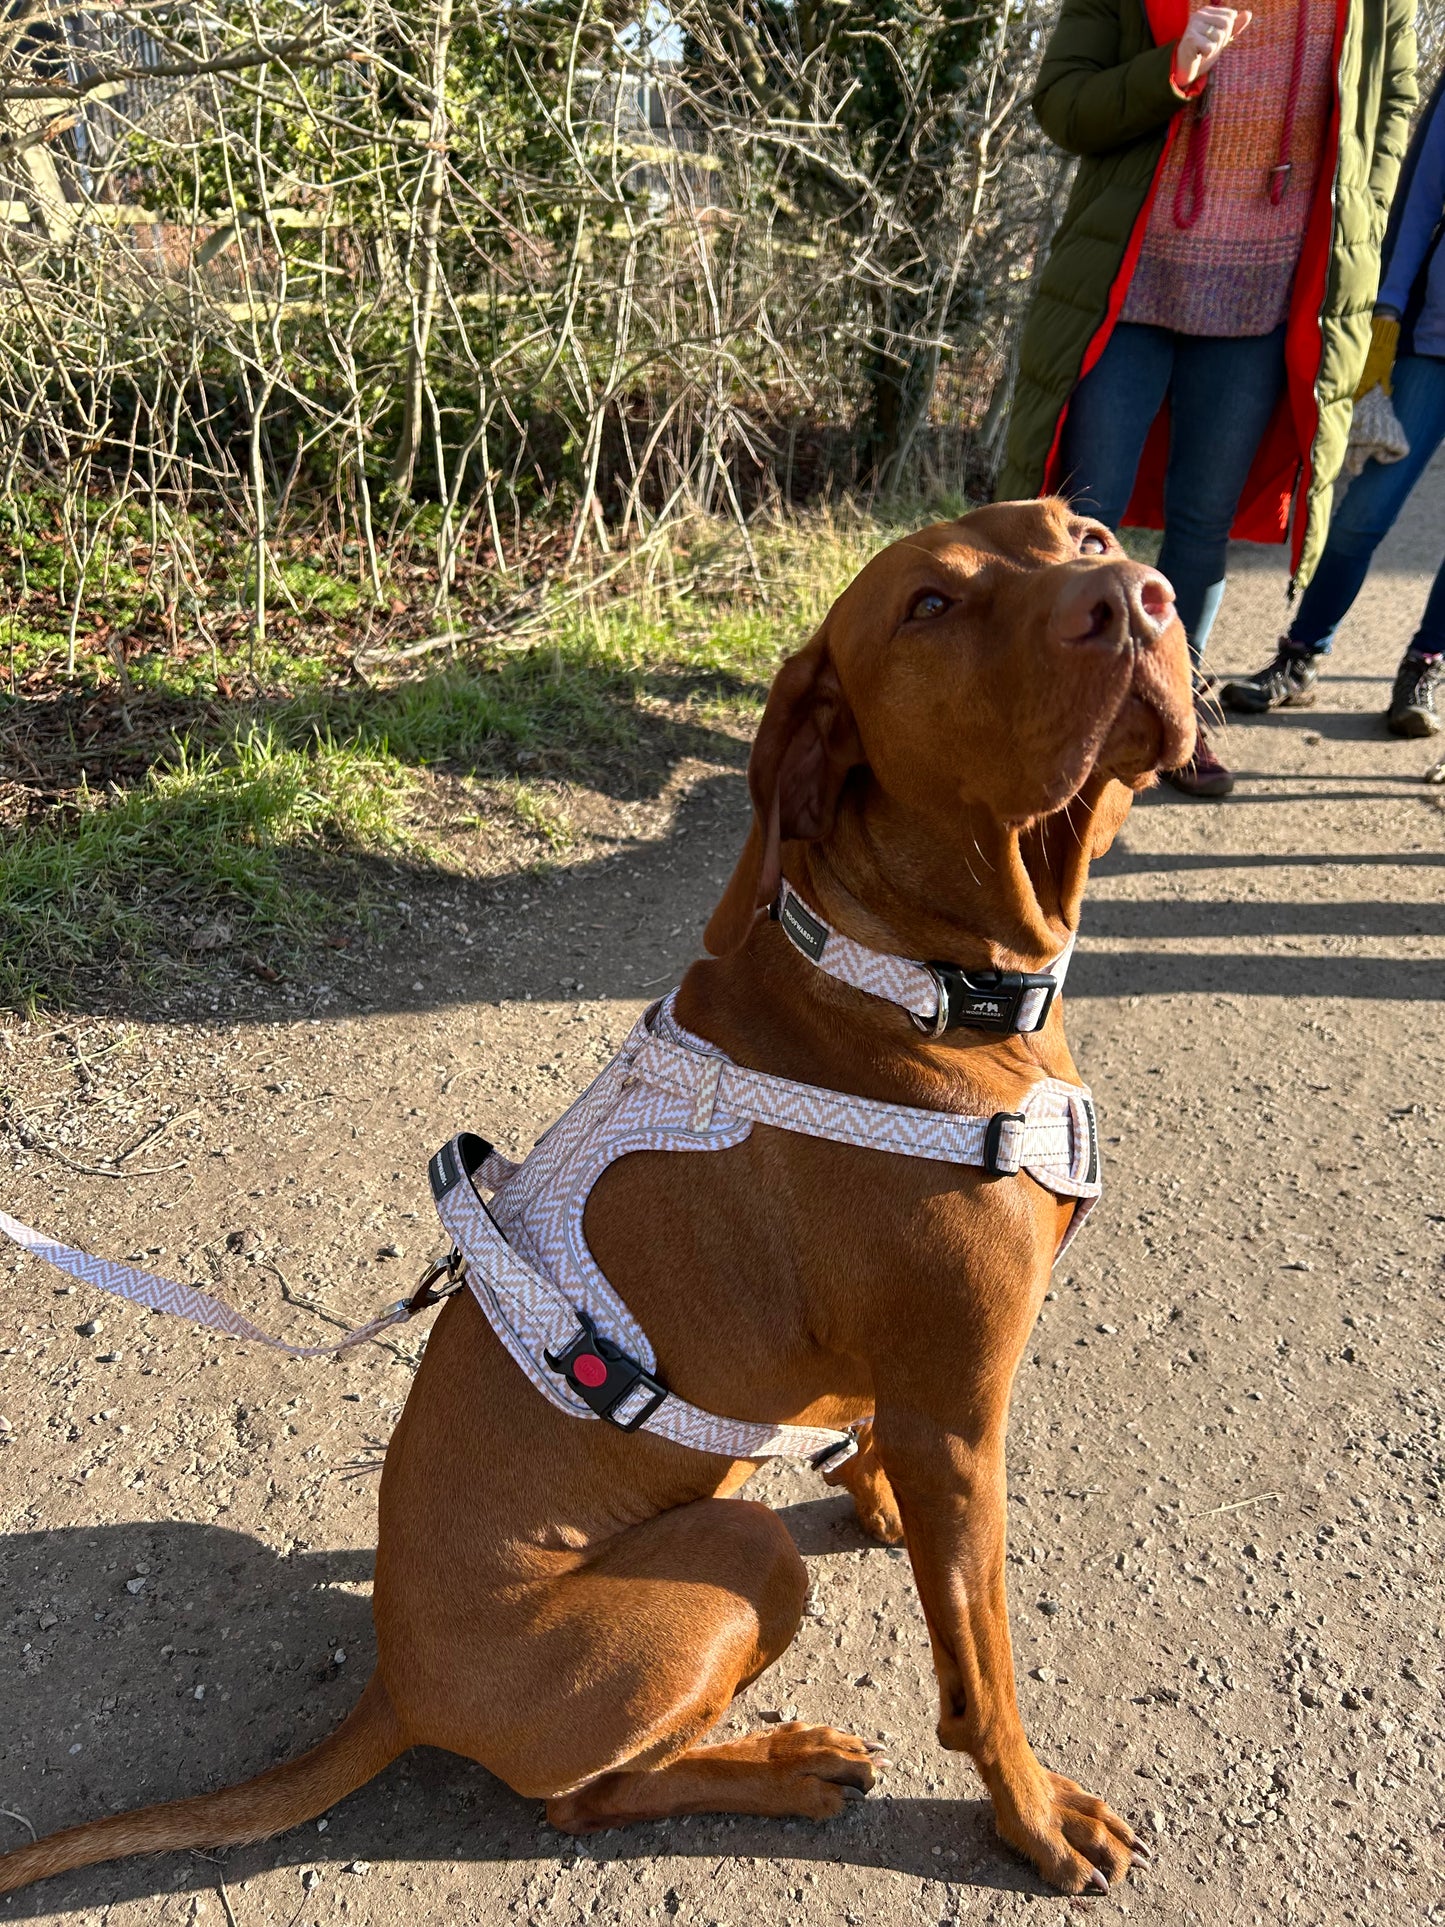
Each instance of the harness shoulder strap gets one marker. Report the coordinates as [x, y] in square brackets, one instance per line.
[1054, 1138]
[560, 1349]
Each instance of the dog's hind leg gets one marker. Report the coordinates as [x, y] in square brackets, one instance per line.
[793, 1769]
[639, 1652]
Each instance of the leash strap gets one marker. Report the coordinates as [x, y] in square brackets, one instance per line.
[938, 996]
[183, 1301]
[560, 1349]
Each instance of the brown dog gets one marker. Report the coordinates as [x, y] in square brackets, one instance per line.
[574, 1606]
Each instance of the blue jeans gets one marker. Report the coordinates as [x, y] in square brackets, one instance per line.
[1368, 512]
[1222, 392]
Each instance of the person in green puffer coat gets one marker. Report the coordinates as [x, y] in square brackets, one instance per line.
[1245, 362]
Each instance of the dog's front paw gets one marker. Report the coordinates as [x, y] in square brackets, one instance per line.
[1074, 1840]
[878, 1514]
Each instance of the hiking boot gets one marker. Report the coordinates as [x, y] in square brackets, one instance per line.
[1412, 710]
[1203, 774]
[1286, 683]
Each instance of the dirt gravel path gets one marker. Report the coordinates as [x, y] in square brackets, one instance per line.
[1225, 1461]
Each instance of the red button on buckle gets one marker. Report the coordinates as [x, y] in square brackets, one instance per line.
[588, 1369]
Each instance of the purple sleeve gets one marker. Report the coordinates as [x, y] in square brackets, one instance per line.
[1424, 204]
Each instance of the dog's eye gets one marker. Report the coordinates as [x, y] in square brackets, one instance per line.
[928, 605]
[1093, 542]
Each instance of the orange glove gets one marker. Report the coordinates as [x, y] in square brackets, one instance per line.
[1384, 340]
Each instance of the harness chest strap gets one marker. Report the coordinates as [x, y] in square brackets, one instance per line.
[561, 1351]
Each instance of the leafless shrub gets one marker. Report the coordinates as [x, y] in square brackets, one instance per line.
[445, 277]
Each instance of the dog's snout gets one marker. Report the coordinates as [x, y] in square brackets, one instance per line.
[1112, 602]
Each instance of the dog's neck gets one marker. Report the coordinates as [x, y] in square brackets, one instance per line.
[974, 891]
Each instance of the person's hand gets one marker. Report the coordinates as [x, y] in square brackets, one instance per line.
[1210, 31]
[1380, 361]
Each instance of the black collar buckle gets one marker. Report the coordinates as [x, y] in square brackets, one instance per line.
[604, 1377]
[986, 999]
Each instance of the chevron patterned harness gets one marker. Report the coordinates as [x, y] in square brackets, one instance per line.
[524, 1256]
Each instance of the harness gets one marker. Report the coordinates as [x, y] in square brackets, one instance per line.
[523, 1254]
[526, 1260]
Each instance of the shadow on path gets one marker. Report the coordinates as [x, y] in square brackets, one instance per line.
[273, 1688]
[627, 924]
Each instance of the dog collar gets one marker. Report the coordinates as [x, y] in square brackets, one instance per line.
[938, 996]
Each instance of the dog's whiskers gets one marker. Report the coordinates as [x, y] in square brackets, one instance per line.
[1208, 705]
[1073, 826]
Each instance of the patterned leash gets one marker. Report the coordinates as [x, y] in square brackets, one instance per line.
[189, 1301]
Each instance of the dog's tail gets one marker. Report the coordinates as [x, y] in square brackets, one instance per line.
[367, 1739]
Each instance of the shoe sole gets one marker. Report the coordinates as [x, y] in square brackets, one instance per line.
[1215, 787]
[1413, 722]
[1239, 697]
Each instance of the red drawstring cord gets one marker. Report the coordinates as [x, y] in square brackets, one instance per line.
[1191, 177]
[1189, 194]
[1284, 166]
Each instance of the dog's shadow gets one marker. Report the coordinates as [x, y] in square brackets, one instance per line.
[101, 1711]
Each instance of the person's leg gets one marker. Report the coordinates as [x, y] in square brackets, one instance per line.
[1223, 393]
[1429, 638]
[1109, 418]
[1365, 514]
[1412, 710]
[1370, 506]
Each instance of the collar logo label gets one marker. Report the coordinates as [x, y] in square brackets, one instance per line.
[806, 932]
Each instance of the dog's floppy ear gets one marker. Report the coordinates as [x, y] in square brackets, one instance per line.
[805, 746]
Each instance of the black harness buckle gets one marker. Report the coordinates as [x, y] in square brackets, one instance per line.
[603, 1376]
[986, 999]
[993, 1144]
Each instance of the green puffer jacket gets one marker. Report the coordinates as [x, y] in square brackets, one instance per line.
[1103, 93]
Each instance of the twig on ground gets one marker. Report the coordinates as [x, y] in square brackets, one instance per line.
[11, 1814]
[368, 661]
[30, 1140]
[1256, 1498]
[151, 1133]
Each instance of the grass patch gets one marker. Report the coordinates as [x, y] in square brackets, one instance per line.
[175, 800]
[191, 857]
[541, 814]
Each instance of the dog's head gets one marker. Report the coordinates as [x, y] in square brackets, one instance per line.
[997, 672]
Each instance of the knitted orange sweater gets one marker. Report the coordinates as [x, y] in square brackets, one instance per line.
[1219, 255]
